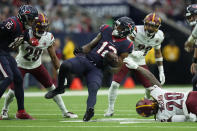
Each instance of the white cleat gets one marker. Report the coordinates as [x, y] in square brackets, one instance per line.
[109, 113]
[4, 114]
[70, 115]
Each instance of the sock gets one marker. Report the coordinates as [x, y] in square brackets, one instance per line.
[112, 94]
[58, 100]
[147, 94]
[8, 99]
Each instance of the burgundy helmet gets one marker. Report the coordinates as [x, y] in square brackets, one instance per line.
[146, 107]
[40, 27]
[152, 22]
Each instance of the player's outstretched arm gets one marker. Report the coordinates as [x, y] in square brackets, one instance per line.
[149, 76]
[88, 47]
[55, 60]
[132, 65]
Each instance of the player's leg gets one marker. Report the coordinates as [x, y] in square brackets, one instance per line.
[19, 91]
[144, 81]
[75, 65]
[191, 105]
[9, 98]
[113, 90]
[194, 82]
[6, 74]
[94, 81]
[44, 78]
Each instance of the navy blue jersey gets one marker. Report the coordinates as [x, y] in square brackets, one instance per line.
[108, 43]
[10, 29]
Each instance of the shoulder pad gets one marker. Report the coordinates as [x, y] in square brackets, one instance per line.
[103, 27]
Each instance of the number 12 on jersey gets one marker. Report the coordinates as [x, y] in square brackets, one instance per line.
[105, 48]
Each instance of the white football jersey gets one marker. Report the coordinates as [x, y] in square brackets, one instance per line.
[170, 103]
[29, 57]
[144, 43]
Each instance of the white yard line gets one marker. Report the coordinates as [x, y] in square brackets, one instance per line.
[102, 92]
[132, 126]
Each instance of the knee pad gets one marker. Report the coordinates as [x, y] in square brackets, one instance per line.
[115, 85]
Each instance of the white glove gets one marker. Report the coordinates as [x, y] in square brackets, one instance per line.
[137, 54]
[130, 63]
[161, 75]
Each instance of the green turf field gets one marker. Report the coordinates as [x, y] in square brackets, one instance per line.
[48, 116]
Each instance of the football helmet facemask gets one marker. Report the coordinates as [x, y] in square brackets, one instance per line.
[27, 15]
[40, 26]
[152, 22]
[191, 14]
[122, 27]
[146, 107]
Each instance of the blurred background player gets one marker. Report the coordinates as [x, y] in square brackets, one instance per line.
[167, 106]
[92, 64]
[12, 34]
[191, 15]
[148, 36]
[29, 61]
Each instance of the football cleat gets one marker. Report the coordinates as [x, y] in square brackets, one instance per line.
[53, 93]
[109, 113]
[4, 115]
[23, 115]
[70, 115]
[89, 114]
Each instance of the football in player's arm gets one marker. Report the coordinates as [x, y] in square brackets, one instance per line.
[91, 62]
[167, 106]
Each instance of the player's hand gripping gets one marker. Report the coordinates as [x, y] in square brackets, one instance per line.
[78, 50]
[130, 63]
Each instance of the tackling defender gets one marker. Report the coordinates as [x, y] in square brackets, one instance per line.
[167, 106]
[29, 61]
[13, 32]
[148, 36]
[92, 64]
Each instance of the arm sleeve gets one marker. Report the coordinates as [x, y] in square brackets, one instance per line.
[178, 118]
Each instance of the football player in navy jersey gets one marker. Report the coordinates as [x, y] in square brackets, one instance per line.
[12, 34]
[91, 64]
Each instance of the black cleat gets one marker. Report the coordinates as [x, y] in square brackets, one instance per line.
[89, 114]
[53, 93]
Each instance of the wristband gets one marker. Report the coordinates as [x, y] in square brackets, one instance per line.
[159, 59]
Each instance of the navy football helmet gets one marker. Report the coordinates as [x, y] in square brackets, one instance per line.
[146, 107]
[26, 15]
[123, 27]
[191, 14]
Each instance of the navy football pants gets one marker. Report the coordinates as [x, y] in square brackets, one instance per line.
[9, 73]
[81, 65]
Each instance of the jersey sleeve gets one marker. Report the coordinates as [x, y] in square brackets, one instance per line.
[155, 91]
[51, 39]
[7, 27]
[103, 28]
[159, 40]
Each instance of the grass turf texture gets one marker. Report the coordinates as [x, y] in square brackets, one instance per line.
[49, 118]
